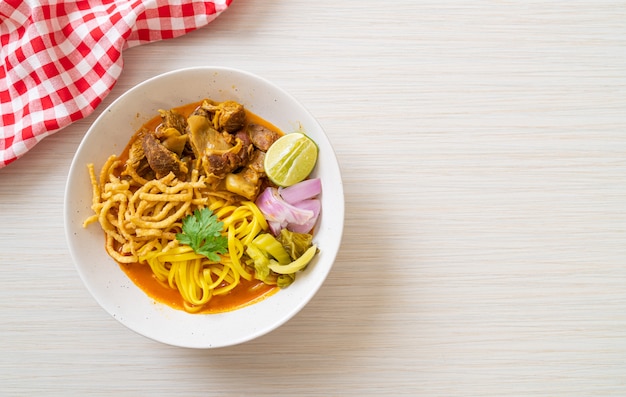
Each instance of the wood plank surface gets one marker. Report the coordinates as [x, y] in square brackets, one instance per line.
[483, 152]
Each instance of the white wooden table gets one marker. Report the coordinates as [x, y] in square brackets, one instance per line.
[483, 150]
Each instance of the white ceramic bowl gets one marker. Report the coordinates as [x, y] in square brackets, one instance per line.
[103, 277]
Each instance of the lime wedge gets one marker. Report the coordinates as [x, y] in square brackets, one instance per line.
[290, 159]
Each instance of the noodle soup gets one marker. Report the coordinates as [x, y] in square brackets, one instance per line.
[198, 164]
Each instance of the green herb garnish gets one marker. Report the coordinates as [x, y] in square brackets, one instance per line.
[203, 233]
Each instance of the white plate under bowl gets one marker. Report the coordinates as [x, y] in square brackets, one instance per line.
[110, 133]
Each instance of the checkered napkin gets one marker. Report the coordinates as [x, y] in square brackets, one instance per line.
[60, 58]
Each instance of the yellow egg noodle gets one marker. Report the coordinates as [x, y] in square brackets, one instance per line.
[141, 219]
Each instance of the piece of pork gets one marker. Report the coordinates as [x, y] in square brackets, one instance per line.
[262, 137]
[137, 164]
[229, 115]
[135, 152]
[171, 119]
[218, 153]
[256, 162]
[162, 160]
[246, 146]
[247, 182]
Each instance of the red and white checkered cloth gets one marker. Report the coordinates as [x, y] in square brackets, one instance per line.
[60, 58]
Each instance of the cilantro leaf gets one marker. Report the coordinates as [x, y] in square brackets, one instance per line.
[203, 233]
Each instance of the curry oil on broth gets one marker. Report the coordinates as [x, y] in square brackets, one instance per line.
[244, 294]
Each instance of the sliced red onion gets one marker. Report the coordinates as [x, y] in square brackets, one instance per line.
[277, 210]
[314, 205]
[299, 217]
[275, 227]
[304, 190]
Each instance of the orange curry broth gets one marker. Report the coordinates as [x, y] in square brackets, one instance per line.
[245, 293]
